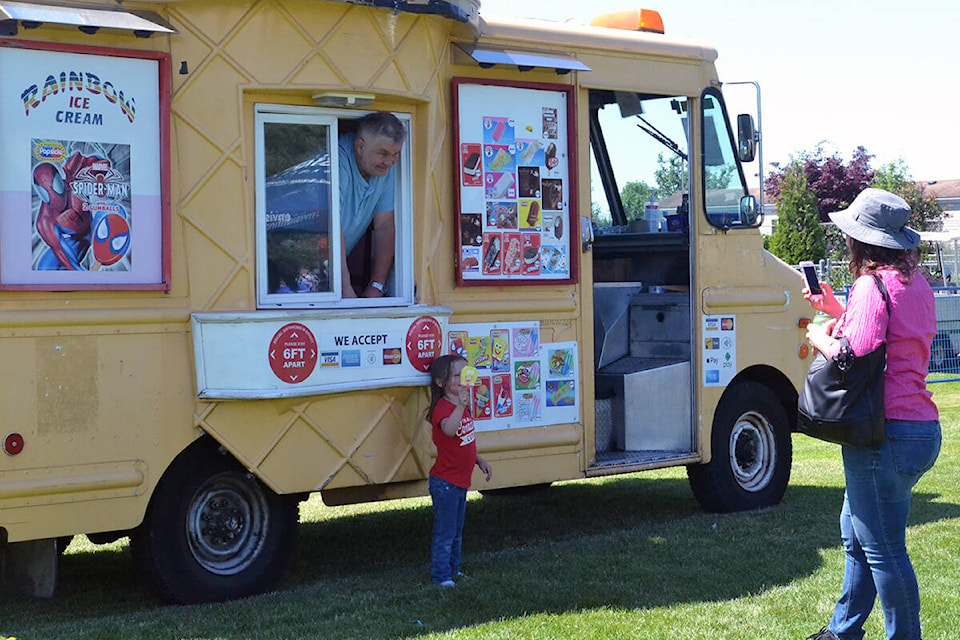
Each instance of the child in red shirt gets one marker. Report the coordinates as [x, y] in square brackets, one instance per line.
[450, 476]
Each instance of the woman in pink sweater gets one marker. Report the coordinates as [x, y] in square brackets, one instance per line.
[880, 481]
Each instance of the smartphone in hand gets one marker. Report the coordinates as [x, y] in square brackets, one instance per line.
[810, 276]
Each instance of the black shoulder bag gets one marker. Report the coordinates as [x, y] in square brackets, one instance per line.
[842, 398]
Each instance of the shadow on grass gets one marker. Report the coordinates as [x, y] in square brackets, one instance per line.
[631, 542]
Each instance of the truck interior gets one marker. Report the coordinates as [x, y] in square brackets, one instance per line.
[641, 286]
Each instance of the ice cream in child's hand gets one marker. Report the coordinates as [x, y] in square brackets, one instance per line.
[469, 376]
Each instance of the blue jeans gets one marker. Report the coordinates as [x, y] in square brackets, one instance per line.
[873, 526]
[449, 509]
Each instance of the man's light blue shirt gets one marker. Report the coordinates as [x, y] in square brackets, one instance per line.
[360, 199]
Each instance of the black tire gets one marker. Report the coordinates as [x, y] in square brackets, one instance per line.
[752, 453]
[213, 532]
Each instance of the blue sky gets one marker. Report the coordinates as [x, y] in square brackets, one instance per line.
[878, 73]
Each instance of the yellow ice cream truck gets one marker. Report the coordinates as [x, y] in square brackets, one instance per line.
[183, 361]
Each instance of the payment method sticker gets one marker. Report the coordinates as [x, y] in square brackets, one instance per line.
[719, 350]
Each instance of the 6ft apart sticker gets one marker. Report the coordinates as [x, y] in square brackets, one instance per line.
[293, 353]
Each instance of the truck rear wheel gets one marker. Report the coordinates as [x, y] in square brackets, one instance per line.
[752, 453]
[214, 532]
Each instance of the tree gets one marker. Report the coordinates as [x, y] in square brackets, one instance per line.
[833, 183]
[672, 174]
[799, 235]
[634, 196]
[926, 213]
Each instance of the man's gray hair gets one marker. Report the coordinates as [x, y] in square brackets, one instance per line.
[382, 123]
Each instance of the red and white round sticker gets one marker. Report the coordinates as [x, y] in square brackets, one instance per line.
[293, 353]
[424, 342]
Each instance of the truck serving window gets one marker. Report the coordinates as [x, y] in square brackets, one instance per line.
[298, 214]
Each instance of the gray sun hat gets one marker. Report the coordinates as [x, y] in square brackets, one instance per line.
[879, 218]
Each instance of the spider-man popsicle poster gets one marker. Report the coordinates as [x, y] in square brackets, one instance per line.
[81, 206]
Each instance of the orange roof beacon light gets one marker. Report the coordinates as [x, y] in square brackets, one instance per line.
[631, 20]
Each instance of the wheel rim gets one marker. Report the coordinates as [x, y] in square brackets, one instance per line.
[753, 451]
[226, 524]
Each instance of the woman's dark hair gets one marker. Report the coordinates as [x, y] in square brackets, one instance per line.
[867, 258]
[439, 374]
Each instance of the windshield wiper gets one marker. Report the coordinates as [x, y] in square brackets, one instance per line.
[655, 133]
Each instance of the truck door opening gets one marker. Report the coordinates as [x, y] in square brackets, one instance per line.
[641, 266]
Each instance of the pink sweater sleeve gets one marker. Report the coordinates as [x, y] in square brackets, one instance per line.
[864, 323]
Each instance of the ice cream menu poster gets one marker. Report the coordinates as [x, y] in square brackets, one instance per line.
[82, 179]
[522, 382]
[514, 191]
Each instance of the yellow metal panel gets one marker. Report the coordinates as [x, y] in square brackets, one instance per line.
[331, 441]
[304, 461]
[318, 73]
[222, 191]
[419, 56]
[68, 380]
[212, 20]
[92, 410]
[50, 485]
[191, 169]
[249, 429]
[189, 50]
[19, 389]
[209, 101]
[572, 35]
[219, 248]
[391, 79]
[67, 518]
[266, 29]
[543, 468]
[317, 19]
[358, 50]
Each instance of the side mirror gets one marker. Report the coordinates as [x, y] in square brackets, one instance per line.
[749, 211]
[746, 138]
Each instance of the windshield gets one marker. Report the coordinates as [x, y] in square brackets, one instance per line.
[640, 155]
[639, 150]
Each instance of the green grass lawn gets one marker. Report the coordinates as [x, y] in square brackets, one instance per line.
[628, 557]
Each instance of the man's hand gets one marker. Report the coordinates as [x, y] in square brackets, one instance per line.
[372, 292]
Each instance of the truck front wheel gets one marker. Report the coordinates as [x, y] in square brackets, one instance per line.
[752, 453]
[214, 532]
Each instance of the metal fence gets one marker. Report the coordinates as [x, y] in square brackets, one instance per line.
[945, 354]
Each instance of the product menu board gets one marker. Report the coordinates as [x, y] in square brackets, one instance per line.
[514, 188]
[522, 382]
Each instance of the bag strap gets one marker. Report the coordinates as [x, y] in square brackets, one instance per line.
[886, 299]
[845, 356]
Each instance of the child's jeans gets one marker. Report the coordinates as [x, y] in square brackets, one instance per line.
[449, 509]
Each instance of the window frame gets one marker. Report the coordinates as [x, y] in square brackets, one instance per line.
[728, 216]
[403, 285]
